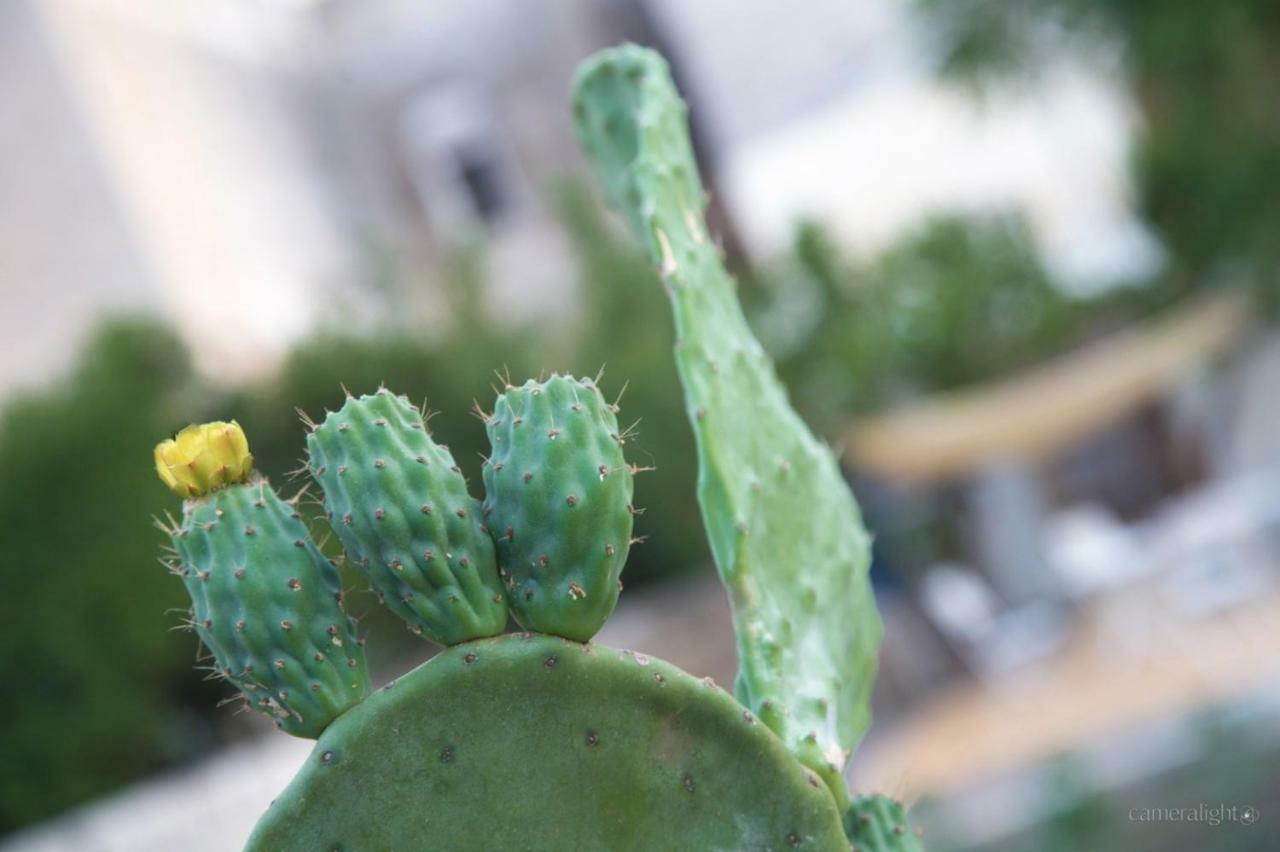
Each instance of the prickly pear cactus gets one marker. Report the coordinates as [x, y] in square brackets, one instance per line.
[538, 741]
[265, 602]
[558, 503]
[400, 507]
[784, 529]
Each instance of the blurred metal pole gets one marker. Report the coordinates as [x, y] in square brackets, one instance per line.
[636, 22]
[1008, 506]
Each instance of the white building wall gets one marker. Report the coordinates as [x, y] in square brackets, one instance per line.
[66, 250]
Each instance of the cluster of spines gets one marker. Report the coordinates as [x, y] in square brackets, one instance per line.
[558, 494]
[268, 606]
[400, 506]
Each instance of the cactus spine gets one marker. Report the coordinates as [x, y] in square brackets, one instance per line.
[558, 503]
[784, 529]
[265, 602]
[400, 507]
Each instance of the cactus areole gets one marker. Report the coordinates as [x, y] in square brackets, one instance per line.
[541, 740]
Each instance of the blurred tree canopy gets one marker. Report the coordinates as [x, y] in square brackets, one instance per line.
[955, 302]
[98, 690]
[1207, 159]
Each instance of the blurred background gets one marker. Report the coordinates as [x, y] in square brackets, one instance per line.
[1017, 260]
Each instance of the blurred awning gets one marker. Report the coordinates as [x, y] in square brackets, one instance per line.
[1043, 411]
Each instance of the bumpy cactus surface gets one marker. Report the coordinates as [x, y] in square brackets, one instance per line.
[540, 740]
[558, 502]
[879, 824]
[400, 507]
[265, 602]
[785, 531]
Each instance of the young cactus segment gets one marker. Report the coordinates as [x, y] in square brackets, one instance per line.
[265, 601]
[400, 507]
[879, 824]
[558, 504]
[785, 532]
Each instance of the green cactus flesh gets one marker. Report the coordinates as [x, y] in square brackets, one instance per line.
[400, 507]
[268, 605]
[785, 531]
[879, 824]
[539, 743]
[558, 504]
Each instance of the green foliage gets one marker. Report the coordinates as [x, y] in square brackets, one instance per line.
[267, 604]
[558, 504]
[957, 302]
[786, 534]
[400, 507]
[1207, 160]
[84, 603]
[535, 742]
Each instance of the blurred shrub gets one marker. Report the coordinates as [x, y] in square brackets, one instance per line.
[98, 691]
[1207, 159]
[957, 302]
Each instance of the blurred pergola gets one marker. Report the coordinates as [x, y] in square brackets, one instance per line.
[1101, 681]
[1044, 411]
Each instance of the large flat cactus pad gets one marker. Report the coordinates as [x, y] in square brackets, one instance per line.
[536, 742]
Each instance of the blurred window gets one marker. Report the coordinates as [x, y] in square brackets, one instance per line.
[456, 161]
[483, 179]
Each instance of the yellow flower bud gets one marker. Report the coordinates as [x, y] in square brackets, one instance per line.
[204, 458]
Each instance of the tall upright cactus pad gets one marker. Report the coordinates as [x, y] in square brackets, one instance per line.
[266, 603]
[536, 742]
[785, 531]
[558, 504]
[400, 507]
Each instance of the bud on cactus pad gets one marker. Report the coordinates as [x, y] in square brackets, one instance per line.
[268, 606]
[558, 504]
[400, 507]
[203, 458]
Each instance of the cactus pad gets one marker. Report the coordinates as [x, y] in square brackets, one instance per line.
[558, 504]
[784, 529]
[879, 824]
[535, 742]
[268, 605]
[400, 507]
